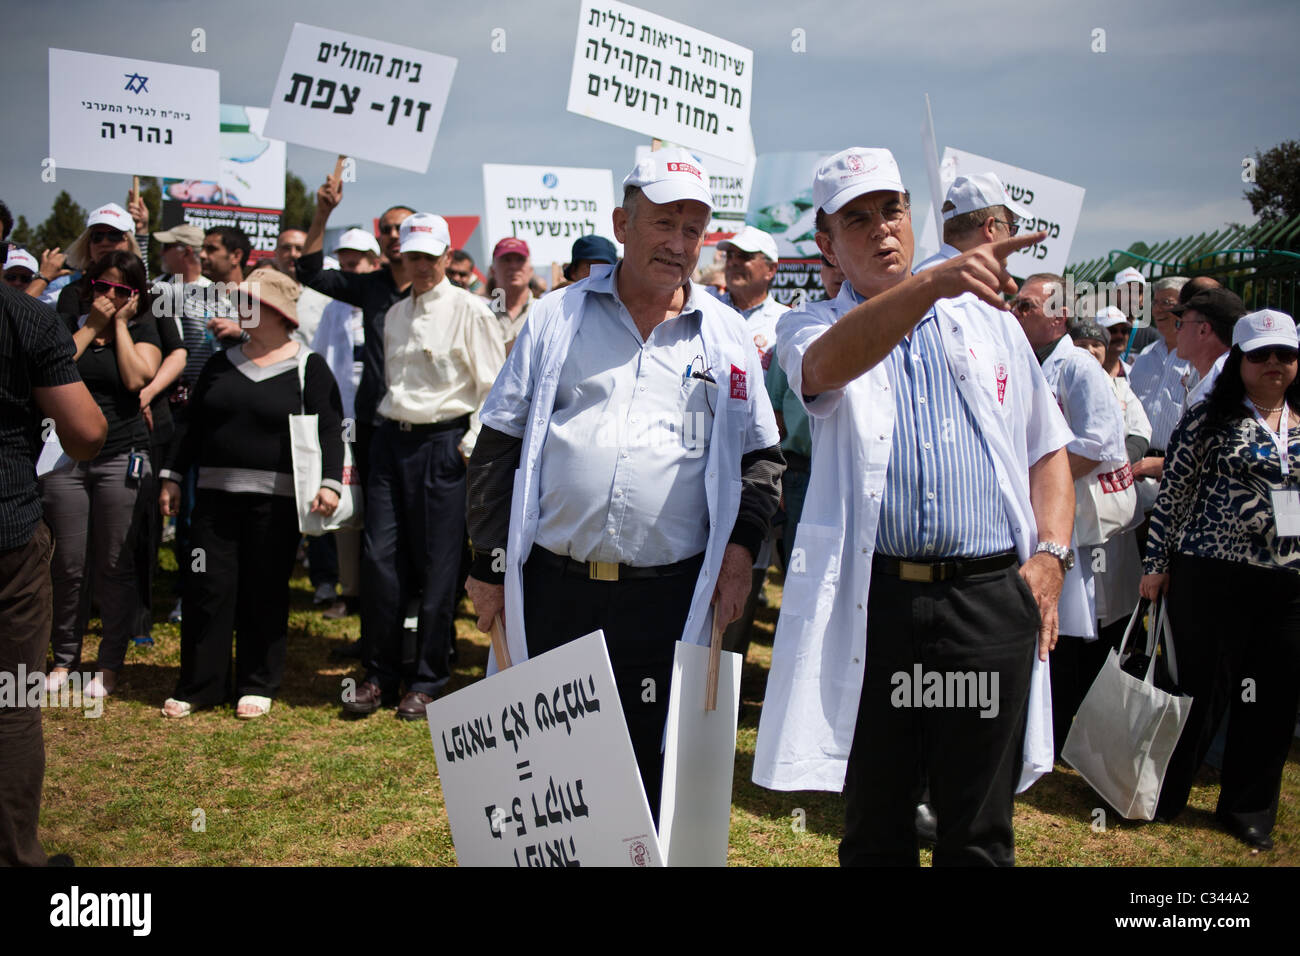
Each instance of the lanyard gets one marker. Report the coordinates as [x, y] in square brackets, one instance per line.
[1279, 437]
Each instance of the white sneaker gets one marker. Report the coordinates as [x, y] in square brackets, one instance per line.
[55, 680]
[100, 686]
[175, 616]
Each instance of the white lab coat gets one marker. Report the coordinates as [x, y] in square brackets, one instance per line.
[819, 655]
[523, 398]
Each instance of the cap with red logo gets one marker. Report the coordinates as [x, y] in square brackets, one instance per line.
[111, 214]
[424, 232]
[510, 245]
[1264, 328]
[671, 175]
[854, 172]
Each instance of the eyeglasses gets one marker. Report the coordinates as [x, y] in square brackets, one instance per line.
[1013, 226]
[106, 235]
[104, 287]
[1285, 356]
[1165, 303]
[1024, 305]
[1179, 323]
[18, 278]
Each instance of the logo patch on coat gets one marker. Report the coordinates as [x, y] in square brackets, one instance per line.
[1000, 372]
[739, 389]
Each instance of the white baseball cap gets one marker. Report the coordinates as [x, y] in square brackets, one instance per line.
[21, 258]
[359, 240]
[853, 172]
[969, 193]
[1264, 328]
[1125, 276]
[113, 215]
[751, 239]
[424, 232]
[1110, 316]
[671, 175]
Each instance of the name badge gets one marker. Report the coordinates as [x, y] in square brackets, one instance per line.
[1286, 511]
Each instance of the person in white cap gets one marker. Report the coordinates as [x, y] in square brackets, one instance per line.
[108, 229]
[1130, 298]
[1118, 327]
[442, 351]
[628, 457]
[20, 268]
[976, 211]
[340, 340]
[940, 474]
[750, 267]
[1224, 545]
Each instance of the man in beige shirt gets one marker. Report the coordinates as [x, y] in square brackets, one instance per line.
[442, 352]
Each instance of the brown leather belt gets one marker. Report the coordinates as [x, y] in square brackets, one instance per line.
[610, 571]
[928, 572]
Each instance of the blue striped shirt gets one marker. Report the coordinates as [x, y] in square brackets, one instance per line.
[941, 495]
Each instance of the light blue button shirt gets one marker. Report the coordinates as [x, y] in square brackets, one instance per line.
[622, 472]
[1160, 379]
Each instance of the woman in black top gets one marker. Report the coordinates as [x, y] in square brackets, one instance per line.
[244, 533]
[117, 353]
[1222, 547]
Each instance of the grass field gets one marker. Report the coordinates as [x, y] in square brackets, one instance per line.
[308, 786]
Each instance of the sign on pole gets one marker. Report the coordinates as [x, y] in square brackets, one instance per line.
[537, 767]
[699, 760]
[643, 72]
[360, 97]
[1053, 204]
[114, 114]
[729, 183]
[548, 207]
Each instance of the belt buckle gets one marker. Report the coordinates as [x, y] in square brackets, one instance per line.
[602, 570]
[910, 571]
[404, 426]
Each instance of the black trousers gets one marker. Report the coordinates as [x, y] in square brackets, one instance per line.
[985, 625]
[1232, 622]
[642, 620]
[26, 610]
[248, 544]
[415, 530]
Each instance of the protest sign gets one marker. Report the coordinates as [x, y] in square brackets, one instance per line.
[781, 202]
[360, 97]
[699, 760]
[248, 191]
[729, 183]
[115, 114]
[643, 72]
[797, 282]
[547, 206]
[537, 767]
[1054, 205]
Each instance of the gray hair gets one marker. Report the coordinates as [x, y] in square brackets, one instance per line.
[1169, 283]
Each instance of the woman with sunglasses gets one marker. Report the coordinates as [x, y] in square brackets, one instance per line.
[90, 506]
[1224, 545]
[110, 228]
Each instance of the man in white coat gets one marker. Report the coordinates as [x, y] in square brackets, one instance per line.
[629, 463]
[939, 474]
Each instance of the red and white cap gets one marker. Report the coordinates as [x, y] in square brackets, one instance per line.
[21, 259]
[510, 245]
[111, 214]
[969, 193]
[424, 232]
[1111, 316]
[752, 239]
[671, 175]
[1264, 328]
[1125, 276]
[854, 172]
[358, 240]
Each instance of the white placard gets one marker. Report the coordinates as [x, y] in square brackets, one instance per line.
[699, 760]
[548, 207]
[537, 767]
[644, 72]
[1055, 206]
[728, 182]
[360, 97]
[114, 114]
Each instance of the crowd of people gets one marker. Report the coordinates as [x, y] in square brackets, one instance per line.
[955, 472]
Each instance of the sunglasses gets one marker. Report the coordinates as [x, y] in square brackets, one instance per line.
[1012, 227]
[104, 287]
[106, 235]
[388, 229]
[18, 277]
[1284, 355]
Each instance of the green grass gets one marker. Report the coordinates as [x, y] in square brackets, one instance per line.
[308, 786]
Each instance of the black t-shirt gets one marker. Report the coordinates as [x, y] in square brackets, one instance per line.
[121, 406]
[35, 352]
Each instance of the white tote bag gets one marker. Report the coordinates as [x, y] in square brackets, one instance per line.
[1105, 503]
[304, 438]
[1126, 729]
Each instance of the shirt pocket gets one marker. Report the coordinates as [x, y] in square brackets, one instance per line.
[814, 572]
[698, 401]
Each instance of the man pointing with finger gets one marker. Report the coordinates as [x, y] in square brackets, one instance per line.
[920, 604]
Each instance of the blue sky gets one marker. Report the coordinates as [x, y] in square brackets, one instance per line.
[1154, 129]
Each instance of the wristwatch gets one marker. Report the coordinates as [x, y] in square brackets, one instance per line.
[1059, 551]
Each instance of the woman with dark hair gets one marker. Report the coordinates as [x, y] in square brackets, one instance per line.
[92, 504]
[1224, 545]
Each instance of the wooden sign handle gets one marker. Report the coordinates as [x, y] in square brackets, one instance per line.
[715, 665]
[338, 168]
[499, 646]
[135, 188]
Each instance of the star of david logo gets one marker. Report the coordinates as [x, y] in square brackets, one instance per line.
[135, 83]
